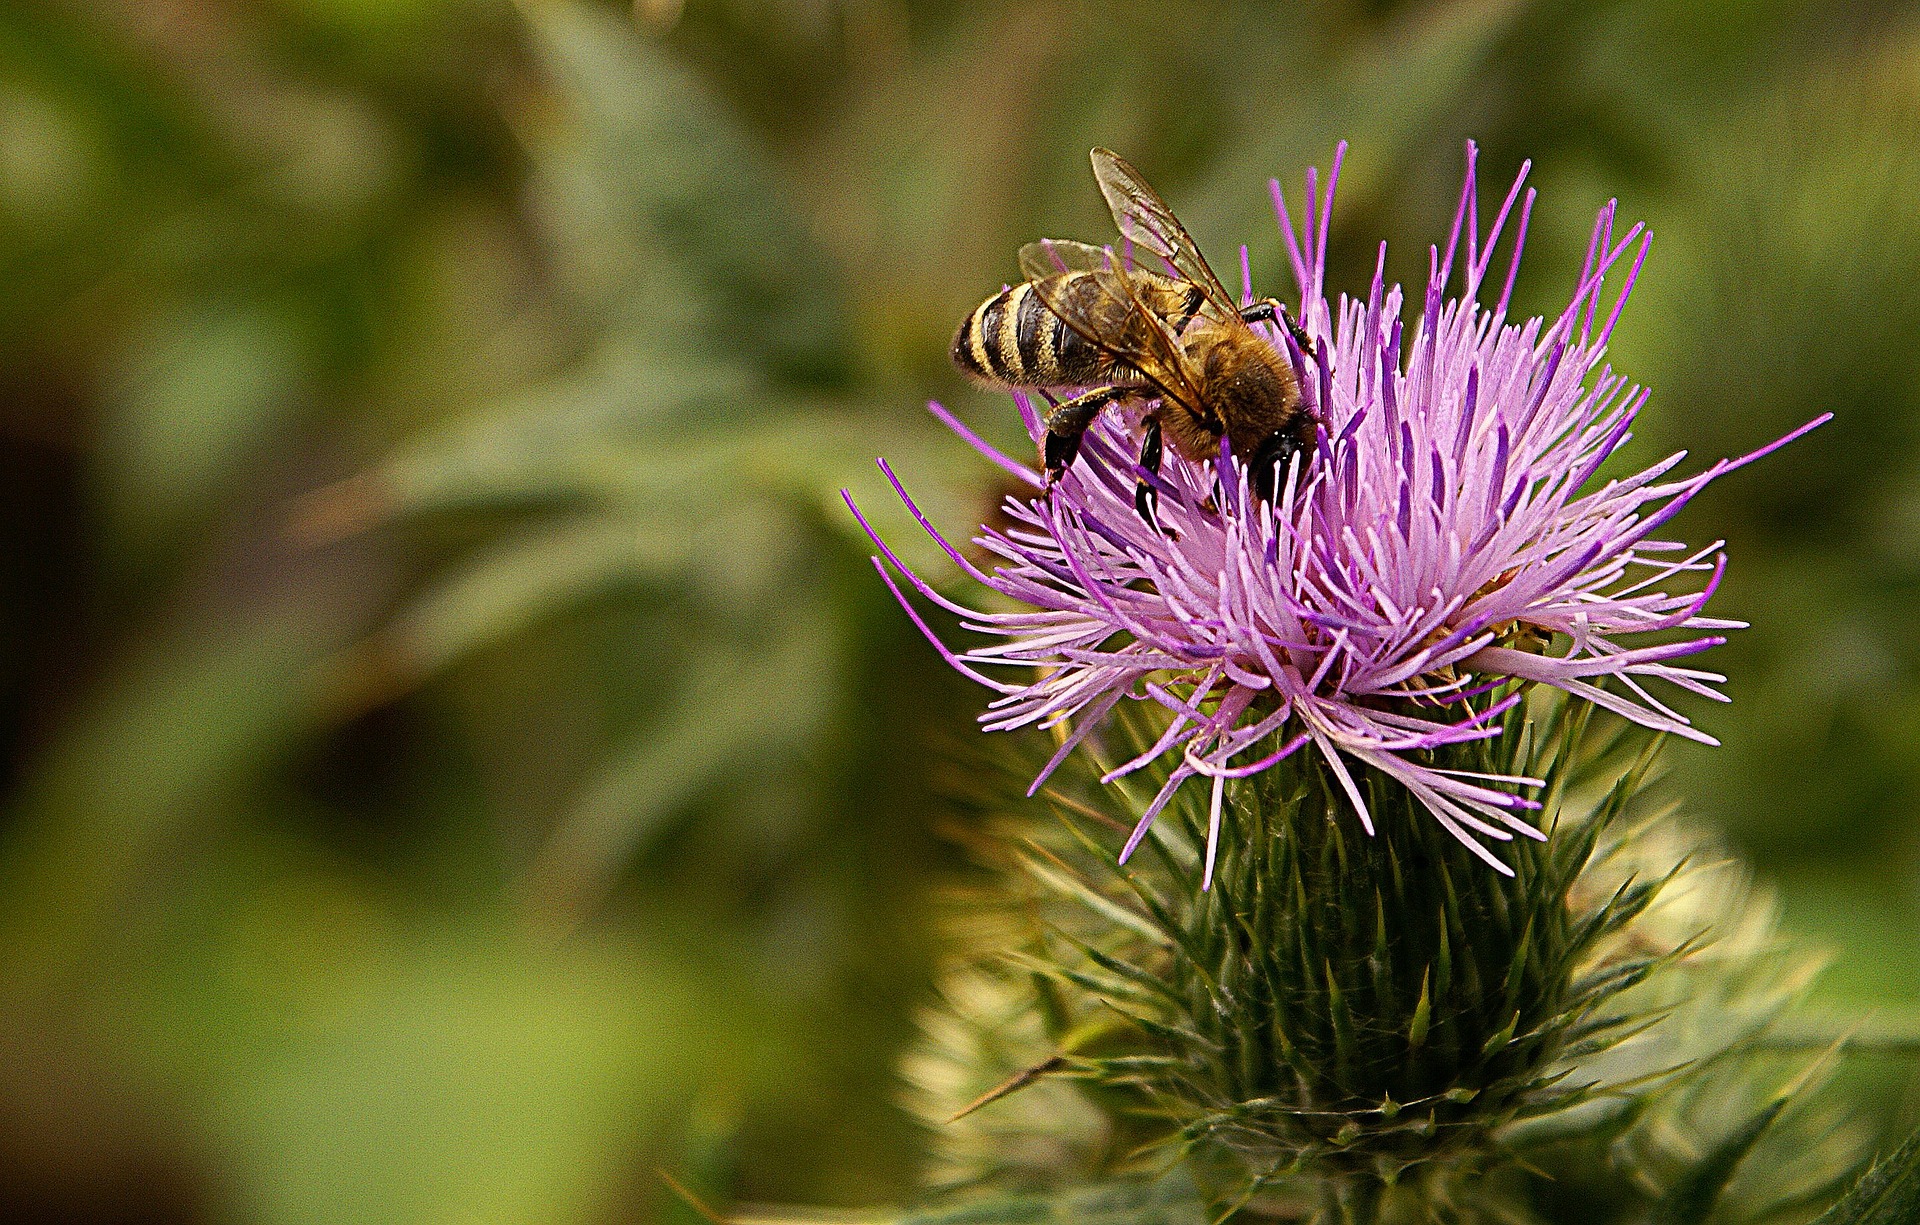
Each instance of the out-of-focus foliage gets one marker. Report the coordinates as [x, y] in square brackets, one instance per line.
[458, 758]
[1888, 1193]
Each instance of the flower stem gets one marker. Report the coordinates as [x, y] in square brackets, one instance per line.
[1353, 1201]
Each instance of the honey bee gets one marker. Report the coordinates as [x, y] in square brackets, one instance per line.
[1172, 340]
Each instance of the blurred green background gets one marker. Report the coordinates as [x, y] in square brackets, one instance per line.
[457, 756]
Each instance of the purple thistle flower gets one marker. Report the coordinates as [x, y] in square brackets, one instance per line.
[1407, 578]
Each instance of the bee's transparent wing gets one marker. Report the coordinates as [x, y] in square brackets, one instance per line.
[1144, 218]
[1053, 256]
[1106, 310]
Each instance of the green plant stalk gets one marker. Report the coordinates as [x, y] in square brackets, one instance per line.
[1363, 1004]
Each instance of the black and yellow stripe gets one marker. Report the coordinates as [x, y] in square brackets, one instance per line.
[1013, 340]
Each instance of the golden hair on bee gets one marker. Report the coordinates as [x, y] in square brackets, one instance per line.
[1175, 342]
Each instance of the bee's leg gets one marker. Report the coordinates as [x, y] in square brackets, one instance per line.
[1268, 309]
[1196, 296]
[1068, 421]
[1298, 332]
[1145, 496]
[1263, 311]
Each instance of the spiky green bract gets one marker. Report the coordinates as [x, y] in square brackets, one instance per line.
[1373, 1028]
[1357, 1005]
[1887, 1195]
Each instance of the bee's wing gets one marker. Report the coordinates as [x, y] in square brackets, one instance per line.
[1144, 217]
[1053, 256]
[1106, 310]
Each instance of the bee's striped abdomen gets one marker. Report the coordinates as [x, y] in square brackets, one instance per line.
[1013, 339]
[987, 346]
[970, 350]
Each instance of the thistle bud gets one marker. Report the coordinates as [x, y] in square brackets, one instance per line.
[1361, 1026]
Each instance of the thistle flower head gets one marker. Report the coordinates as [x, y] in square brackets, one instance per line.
[1446, 543]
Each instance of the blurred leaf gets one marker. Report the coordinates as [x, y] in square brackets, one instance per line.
[1888, 1194]
[1171, 1201]
[196, 405]
[158, 752]
[1777, 291]
[1388, 95]
[566, 439]
[1692, 1200]
[361, 1061]
[528, 575]
[733, 709]
[674, 221]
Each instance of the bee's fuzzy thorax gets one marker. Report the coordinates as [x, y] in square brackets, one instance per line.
[1255, 389]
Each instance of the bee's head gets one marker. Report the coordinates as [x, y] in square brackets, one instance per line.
[1273, 456]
